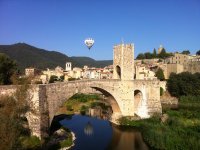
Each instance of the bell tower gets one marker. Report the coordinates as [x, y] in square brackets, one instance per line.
[123, 62]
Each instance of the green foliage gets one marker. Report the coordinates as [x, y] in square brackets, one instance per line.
[84, 98]
[154, 53]
[69, 107]
[160, 74]
[149, 55]
[7, 69]
[12, 110]
[163, 54]
[100, 104]
[71, 79]
[53, 78]
[62, 78]
[186, 52]
[66, 143]
[180, 131]
[198, 52]
[30, 142]
[84, 109]
[140, 56]
[184, 84]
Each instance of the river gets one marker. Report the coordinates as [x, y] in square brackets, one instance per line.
[96, 134]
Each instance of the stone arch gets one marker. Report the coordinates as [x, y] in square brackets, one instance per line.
[138, 96]
[86, 88]
[110, 99]
[118, 71]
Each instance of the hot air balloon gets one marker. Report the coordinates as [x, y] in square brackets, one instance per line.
[89, 42]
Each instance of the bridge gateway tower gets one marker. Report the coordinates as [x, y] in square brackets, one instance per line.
[123, 62]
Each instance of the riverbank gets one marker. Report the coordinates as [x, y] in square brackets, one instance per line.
[180, 130]
[62, 139]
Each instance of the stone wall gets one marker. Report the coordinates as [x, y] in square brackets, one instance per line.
[124, 59]
[45, 100]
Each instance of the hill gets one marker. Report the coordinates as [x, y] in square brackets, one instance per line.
[29, 56]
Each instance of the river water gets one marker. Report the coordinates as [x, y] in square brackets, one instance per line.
[96, 134]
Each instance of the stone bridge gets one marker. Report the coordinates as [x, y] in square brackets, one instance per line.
[127, 98]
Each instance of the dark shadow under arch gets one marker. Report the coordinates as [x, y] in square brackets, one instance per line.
[118, 70]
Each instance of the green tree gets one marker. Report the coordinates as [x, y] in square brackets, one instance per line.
[53, 78]
[198, 52]
[162, 54]
[148, 55]
[12, 112]
[140, 56]
[184, 84]
[186, 52]
[154, 53]
[7, 69]
[160, 74]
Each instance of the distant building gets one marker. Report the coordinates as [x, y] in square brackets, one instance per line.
[143, 73]
[58, 71]
[30, 71]
[68, 66]
[174, 68]
[178, 59]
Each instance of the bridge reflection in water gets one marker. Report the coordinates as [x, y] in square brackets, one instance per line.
[96, 134]
[126, 139]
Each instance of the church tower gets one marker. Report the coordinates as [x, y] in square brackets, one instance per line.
[123, 62]
[68, 66]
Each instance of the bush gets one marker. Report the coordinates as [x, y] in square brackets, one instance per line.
[184, 84]
[32, 142]
[69, 107]
[53, 79]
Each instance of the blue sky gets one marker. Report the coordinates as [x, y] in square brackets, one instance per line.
[62, 25]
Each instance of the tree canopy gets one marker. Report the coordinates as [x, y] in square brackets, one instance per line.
[160, 74]
[184, 84]
[187, 52]
[149, 55]
[7, 69]
[140, 56]
[198, 52]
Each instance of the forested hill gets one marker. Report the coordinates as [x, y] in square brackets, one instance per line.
[29, 56]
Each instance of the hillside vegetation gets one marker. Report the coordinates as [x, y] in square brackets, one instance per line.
[29, 56]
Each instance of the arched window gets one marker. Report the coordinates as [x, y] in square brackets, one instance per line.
[118, 70]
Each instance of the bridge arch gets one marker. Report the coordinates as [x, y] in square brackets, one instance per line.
[138, 96]
[111, 100]
[61, 94]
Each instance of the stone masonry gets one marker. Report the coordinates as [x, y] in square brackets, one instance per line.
[120, 92]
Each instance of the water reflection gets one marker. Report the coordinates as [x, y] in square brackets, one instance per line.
[88, 130]
[96, 134]
[127, 139]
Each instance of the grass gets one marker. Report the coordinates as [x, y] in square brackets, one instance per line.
[67, 142]
[180, 131]
[79, 103]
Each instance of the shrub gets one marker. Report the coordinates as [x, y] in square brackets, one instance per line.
[69, 107]
[184, 84]
[31, 142]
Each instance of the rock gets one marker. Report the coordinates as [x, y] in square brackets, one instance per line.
[164, 118]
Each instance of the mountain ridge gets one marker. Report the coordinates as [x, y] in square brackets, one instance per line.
[30, 56]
